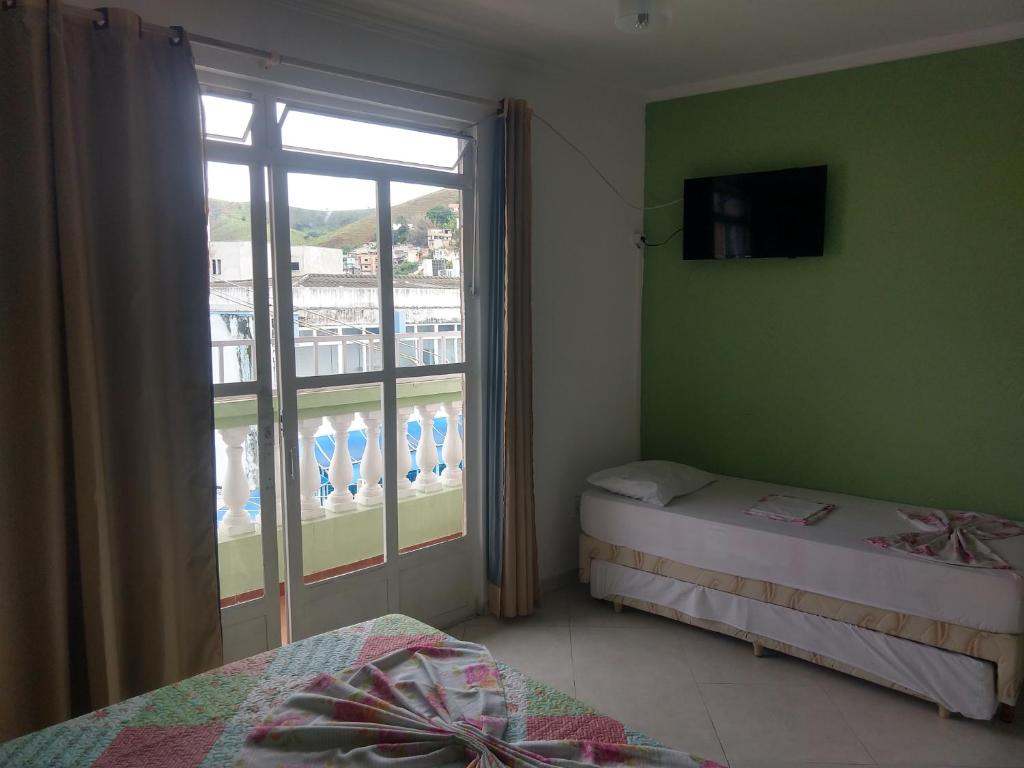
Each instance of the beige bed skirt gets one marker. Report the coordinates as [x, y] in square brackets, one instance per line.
[1005, 651]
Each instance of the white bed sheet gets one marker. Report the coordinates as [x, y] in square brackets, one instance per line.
[957, 682]
[708, 529]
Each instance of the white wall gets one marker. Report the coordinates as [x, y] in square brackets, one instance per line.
[586, 273]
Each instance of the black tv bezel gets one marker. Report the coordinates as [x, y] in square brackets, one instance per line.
[819, 239]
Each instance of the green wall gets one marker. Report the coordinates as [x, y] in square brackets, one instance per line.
[894, 366]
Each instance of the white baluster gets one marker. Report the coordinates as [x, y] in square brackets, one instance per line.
[235, 488]
[451, 449]
[309, 470]
[426, 453]
[404, 460]
[340, 471]
[370, 493]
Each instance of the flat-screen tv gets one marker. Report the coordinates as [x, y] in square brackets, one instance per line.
[755, 215]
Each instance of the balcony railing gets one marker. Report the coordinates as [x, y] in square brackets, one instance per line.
[331, 354]
[340, 469]
[245, 360]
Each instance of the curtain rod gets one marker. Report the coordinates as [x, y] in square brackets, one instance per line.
[329, 69]
[271, 58]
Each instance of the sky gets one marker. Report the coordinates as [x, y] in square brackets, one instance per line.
[326, 134]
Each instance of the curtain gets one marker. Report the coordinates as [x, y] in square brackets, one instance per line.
[108, 570]
[512, 568]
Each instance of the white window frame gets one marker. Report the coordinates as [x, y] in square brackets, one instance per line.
[265, 152]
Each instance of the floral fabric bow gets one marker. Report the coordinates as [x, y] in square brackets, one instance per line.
[952, 537]
[424, 707]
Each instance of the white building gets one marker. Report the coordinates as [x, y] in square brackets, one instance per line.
[439, 238]
[233, 260]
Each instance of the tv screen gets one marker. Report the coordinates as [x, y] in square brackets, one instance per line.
[755, 215]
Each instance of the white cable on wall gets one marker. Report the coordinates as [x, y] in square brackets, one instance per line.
[597, 170]
[592, 165]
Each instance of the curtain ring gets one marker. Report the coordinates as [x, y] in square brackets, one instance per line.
[104, 21]
[177, 35]
[272, 60]
[9, 5]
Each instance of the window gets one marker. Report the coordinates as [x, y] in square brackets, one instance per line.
[366, 278]
[305, 130]
[227, 119]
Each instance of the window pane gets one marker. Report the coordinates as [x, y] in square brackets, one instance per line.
[431, 503]
[341, 467]
[335, 274]
[426, 253]
[232, 326]
[239, 545]
[352, 138]
[227, 119]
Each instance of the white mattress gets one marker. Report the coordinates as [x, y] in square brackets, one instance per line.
[957, 682]
[708, 529]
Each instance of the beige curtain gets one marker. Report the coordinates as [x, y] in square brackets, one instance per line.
[518, 588]
[108, 573]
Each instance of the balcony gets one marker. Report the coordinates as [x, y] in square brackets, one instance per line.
[341, 491]
[324, 354]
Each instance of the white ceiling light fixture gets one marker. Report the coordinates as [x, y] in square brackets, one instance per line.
[643, 15]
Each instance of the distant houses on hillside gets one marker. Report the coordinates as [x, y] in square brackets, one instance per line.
[233, 260]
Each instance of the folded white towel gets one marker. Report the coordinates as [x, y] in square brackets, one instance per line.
[789, 509]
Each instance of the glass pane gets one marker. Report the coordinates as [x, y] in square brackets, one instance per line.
[239, 545]
[335, 274]
[431, 501]
[426, 253]
[341, 469]
[227, 119]
[232, 353]
[353, 138]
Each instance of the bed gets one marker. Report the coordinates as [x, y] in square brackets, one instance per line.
[204, 720]
[948, 634]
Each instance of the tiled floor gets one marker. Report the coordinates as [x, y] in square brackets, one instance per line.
[707, 693]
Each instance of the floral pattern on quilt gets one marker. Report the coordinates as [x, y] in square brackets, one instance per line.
[428, 706]
[956, 538]
[203, 722]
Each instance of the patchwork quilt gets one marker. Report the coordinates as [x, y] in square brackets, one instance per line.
[204, 721]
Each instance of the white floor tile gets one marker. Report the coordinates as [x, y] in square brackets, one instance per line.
[586, 611]
[553, 609]
[708, 694]
[781, 722]
[456, 630]
[716, 658]
[900, 730]
[541, 651]
[641, 677]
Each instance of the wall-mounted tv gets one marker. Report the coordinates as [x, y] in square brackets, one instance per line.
[755, 215]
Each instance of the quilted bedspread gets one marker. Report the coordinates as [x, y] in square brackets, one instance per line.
[204, 720]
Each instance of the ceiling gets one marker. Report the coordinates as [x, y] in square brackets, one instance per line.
[711, 44]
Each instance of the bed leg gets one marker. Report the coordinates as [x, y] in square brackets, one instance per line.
[943, 712]
[617, 605]
[1007, 712]
[758, 649]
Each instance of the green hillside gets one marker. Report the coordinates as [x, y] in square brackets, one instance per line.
[330, 229]
[229, 221]
[364, 229]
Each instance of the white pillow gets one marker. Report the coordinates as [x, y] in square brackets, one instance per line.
[655, 482]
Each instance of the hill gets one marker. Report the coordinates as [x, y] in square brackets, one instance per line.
[364, 229]
[329, 229]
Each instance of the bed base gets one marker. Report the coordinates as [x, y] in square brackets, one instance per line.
[1009, 666]
[762, 647]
